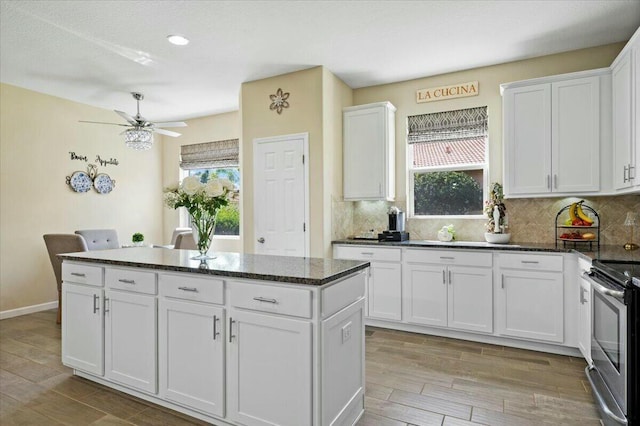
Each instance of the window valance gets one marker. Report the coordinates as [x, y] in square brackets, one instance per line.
[210, 155]
[447, 125]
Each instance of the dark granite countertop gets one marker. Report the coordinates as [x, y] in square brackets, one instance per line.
[604, 253]
[296, 270]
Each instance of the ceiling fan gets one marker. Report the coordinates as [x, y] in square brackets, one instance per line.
[139, 135]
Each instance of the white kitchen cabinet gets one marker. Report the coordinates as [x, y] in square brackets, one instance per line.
[584, 309]
[626, 116]
[269, 369]
[447, 294]
[369, 152]
[384, 281]
[130, 339]
[82, 328]
[530, 297]
[552, 135]
[191, 353]
[584, 320]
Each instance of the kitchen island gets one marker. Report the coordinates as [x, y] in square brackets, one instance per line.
[236, 340]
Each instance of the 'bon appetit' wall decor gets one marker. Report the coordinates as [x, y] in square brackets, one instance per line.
[82, 182]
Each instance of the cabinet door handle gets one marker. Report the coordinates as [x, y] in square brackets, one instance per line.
[122, 280]
[215, 327]
[444, 277]
[447, 257]
[78, 274]
[449, 277]
[624, 174]
[582, 296]
[188, 289]
[366, 253]
[502, 280]
[231, 335]
[631, 168]
[380, 189]
[549, 181]
[265, 299]
[106, 305]
[96, 306]
[555, 181]
[530, 261]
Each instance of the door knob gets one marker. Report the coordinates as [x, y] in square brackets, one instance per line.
[261, 240]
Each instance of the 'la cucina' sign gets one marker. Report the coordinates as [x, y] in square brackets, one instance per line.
[460, 90]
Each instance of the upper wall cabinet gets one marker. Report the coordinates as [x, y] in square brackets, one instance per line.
[553, 128]
[625, 72]
[369, 152]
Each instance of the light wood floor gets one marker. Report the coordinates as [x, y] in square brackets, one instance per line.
[412, 379]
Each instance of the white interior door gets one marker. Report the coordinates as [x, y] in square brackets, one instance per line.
[281, 195]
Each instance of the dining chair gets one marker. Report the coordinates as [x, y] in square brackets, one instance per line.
[186, 241]
[100, 239]
[62, 243]
[179, 231]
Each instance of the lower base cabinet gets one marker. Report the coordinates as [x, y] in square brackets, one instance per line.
[384, 290]
[82, 328]
[191, 355]
[131, 339]
[269, 363]
[531, 305]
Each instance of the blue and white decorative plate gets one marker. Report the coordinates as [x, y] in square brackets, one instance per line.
[103, 183]
[80, 181]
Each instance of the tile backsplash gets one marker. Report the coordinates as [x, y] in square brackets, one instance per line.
[531, 220]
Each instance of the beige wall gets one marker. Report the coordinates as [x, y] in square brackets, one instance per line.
[199, 130]
[402, 95]
[37, 132]
[336, 95]
[303, 115]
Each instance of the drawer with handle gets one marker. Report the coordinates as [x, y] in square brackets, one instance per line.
[449, 257]
[82, 274]
[388, 254]
[179, 286]
[536, 262]
[278, 300]
[139, 281]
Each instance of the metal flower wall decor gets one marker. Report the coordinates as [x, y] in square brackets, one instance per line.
[279, 101]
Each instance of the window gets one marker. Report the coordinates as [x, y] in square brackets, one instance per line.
[217, 160]
[447, 158]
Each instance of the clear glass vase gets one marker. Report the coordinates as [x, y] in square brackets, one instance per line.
[205, 225]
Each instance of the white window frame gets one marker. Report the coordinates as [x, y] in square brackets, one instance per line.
[453, 168]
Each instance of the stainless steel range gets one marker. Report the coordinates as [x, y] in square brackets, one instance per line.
[614, 375]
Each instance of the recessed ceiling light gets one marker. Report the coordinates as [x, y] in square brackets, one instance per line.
[178, 40]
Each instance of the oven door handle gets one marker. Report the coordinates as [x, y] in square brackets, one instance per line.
[601, 401]
[602, 289]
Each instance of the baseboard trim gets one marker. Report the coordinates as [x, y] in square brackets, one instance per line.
[28, 310]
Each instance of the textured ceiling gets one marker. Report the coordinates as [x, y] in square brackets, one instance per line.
[96, 52]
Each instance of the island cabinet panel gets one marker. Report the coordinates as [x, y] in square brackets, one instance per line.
[191, 353]
[270, 368]
[82, 328]
[342, 352]
[131, 339]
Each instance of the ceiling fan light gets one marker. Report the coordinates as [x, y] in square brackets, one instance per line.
[178, 40]
[141, 139]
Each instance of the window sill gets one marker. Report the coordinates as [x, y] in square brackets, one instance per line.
[226, 237]
[451, 217]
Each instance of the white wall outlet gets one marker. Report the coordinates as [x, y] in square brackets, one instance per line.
[346, 332]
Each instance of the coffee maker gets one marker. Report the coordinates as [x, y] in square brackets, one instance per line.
[396, 230]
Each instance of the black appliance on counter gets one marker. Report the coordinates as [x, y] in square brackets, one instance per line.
[396, 230]
[615, 346]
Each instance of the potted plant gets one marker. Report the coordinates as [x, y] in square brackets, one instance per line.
[496, 211]
[137, 239]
